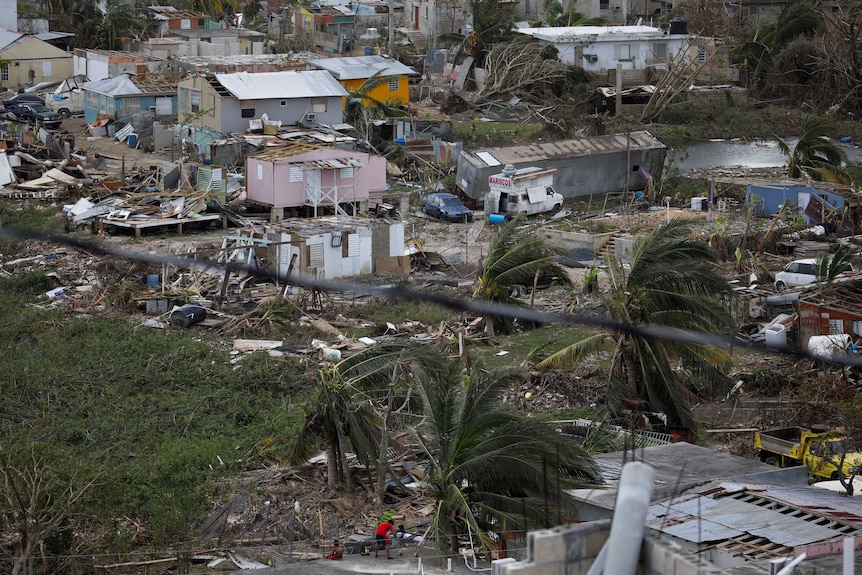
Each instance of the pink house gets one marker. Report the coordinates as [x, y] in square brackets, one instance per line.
[312, 180]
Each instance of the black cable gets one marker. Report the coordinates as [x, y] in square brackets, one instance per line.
[478, 307]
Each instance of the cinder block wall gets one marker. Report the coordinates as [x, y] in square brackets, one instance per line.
[572, 549]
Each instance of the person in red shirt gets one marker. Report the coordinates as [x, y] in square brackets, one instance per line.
[381, 537]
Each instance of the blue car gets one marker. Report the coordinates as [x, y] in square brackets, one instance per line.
[447, 207]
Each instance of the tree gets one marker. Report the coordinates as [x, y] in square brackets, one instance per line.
[40, 495]
[386, 374]
[515, 257]
[490, 468]
[341, 421]
[671, 284]
[828, 267]
[362, 107]
[815, 155]
[121, 20]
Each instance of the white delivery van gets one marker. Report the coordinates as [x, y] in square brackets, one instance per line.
[528, 190]
[68, 99]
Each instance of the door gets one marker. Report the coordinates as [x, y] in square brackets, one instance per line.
[416, 17]
[312, 185]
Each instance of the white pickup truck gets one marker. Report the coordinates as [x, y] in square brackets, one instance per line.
[68, 99]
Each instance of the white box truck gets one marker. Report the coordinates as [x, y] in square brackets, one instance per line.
[68, 99]
[528, 190]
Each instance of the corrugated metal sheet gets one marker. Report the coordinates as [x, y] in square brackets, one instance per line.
[702, 519]
[359, 67]
[8, 37]
[118, 86]
[288, 84]
[820, 501]
[567, 148]
[332, 164]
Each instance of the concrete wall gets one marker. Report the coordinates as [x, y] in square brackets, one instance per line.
[572, 549]
[568, 241]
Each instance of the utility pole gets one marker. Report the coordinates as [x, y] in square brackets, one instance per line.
[391, 29]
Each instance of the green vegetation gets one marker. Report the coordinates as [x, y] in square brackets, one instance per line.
[670, 283]
[476, 133]
[151, 416]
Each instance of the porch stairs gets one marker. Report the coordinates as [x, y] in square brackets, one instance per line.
[416, 38]
[607, 248]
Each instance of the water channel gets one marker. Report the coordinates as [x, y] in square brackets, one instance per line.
[732, 153]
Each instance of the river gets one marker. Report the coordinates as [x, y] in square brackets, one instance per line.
[732, 153]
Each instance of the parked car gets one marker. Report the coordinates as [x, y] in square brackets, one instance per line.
[35, 113]
[799, 273]
[24, 98]
[544, 281]
[447, 207]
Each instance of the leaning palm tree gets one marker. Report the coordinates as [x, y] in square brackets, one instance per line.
[815, 155]
[342, 420]
[491, 468]
[827, 267]
[386, 375]
[671, 284]
[514, 258]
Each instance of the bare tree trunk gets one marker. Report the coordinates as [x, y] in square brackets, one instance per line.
[331, 464]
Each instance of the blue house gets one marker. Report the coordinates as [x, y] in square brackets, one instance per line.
[126, 99]
[836, 207]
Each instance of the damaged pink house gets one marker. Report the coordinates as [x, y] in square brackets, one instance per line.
[305, 180]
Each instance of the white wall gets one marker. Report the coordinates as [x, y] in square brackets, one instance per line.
[92, 69]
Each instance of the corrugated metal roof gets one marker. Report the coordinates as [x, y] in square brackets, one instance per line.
[117, 86]
[358, 67]
[8, 37]
[705, 520]
[566, 149]
[288, 84]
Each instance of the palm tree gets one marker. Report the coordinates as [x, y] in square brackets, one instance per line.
[672, 284]
[386, 374]
[815, 155]
[343, 421]
[828, 267]
[362, 107]
[515, 257]
[490, 468]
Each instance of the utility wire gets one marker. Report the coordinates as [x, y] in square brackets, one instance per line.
[478, 307]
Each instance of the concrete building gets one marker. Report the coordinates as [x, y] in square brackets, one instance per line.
[353, 72]
[226, 102]
[314, 180]
[171, 19]
[30, 61]
[102, 64]
[585, 166]
[220, 41]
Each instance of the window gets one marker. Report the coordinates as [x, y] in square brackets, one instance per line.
[534, 182]
[196, 101]
[318, 105]
[260, 171]
[659, 50]
[622, 52]
[283, 103]
[836, 326]
[345, 173]
[394, 83]
[295, 175]
[248, 109]
[701, 53]
[4, 72]
[131, 106]
[184, 99]
[92, 100]
[604, 5]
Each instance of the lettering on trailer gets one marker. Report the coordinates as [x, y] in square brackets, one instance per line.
[500, 181]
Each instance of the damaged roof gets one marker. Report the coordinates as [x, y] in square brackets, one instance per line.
[758, 522]
[124, 85]
[287, 84]
[359, 67]
[614, 143]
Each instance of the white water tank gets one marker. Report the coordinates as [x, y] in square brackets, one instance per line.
[827, 346]
[776, 336]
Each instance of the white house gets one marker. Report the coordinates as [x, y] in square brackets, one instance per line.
[600, 48]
